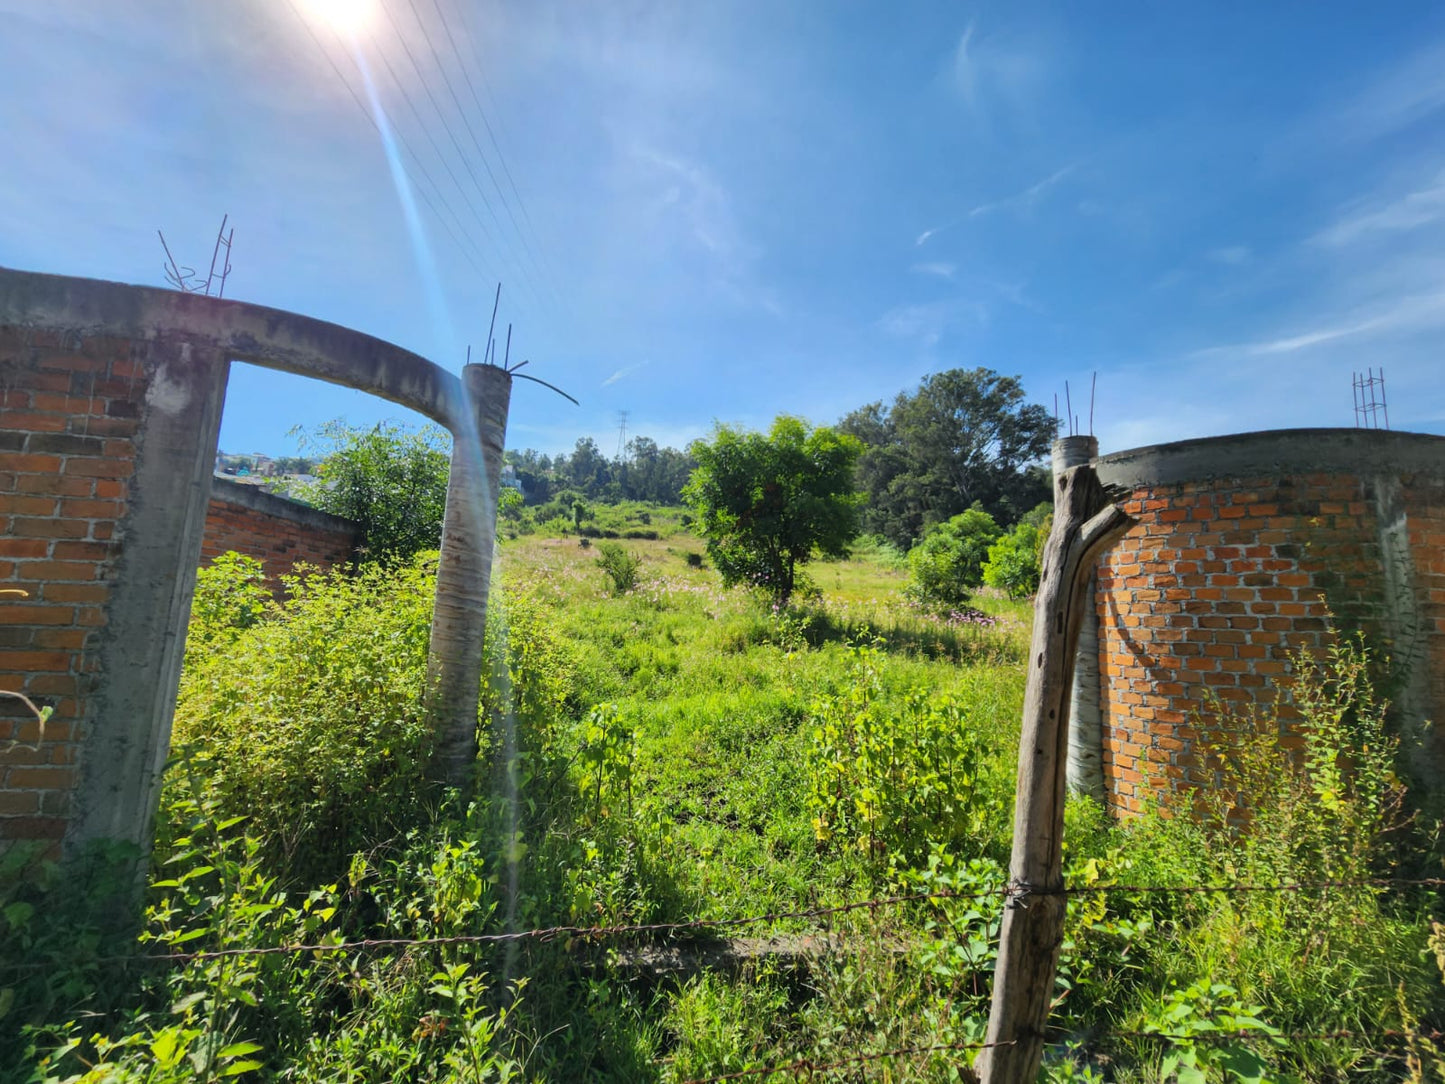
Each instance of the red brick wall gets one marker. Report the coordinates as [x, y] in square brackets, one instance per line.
[281, 535]
[68, 417]
[1203, 602]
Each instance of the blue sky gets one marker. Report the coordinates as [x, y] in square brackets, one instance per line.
[733, 210]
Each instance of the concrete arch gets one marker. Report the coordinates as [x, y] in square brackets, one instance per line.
[110, 409]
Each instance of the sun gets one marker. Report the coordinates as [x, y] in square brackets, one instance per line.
[350, 17]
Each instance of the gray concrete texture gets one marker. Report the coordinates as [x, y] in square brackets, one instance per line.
[186, 343]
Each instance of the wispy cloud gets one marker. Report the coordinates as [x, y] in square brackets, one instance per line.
[692, 204]
[1021, 202]
[927, 323]
[1391, 215]
[1025, 200]
[993, 73]
[1417, 312]
[1411, 91]
[939, 269]
[623, 373]
[1230, 255]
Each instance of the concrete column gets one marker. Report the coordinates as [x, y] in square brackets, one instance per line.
[469, 534]
[128, 731]
[1085, 770]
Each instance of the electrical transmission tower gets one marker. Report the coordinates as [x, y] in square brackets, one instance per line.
[622, 416]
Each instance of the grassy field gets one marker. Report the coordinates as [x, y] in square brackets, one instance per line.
[677, 752]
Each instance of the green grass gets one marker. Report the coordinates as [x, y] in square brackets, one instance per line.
[670, 745]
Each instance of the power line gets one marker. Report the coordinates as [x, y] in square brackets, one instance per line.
[456, 143]
[492, 138]
[406, 146]
[496, 112]
[527, 246]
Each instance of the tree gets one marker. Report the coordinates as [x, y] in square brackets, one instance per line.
[1013, 561]
[389, 479]
[965, 436]
[768, 503]
[948, 564]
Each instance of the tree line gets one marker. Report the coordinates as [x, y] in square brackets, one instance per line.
[964, 440]
[646, 472]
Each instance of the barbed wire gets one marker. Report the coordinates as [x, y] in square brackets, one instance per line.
[808, 1065]
[1015, 893]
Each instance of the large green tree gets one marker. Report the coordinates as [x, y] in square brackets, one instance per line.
[390, 479]
[769, 502]
[965, 436]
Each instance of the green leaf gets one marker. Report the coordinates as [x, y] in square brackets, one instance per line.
[235, 1050]
[240, 1067]
[18, 913]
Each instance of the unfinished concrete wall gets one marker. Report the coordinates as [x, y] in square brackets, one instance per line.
[279, 532]
[112, 399]
[1249, 548]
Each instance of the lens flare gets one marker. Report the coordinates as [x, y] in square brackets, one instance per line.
[350, 17]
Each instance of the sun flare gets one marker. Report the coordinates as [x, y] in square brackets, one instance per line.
[347, 16]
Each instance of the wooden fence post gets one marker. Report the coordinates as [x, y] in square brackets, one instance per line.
[1085, 524]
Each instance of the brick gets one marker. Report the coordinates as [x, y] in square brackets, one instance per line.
[49, 527]
[65, 444]
[27, 614]
[83, 551]
[54, 484]
[25, 661]
[99, 468]
[32, 464]
[32, 828]
[31, 422]
[75, 592]
[24, 547]
[71, 571]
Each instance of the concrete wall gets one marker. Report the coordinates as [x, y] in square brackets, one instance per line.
[279, 532]
[110, 405]
[1249, 548]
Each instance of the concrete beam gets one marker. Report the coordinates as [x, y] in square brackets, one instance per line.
[237, 330]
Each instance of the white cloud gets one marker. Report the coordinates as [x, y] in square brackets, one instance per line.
[623, 373]
[927, 323]
[1391, 215]
[1025, 200]
[940, 268]
[1414, 313]
[1230, 255]
[1411, 91]
[995, 74]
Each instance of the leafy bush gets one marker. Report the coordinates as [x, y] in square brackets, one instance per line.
[897, 780]
[620, 565]
[389, 479]
[1013, 561]
[231, 596]
[947, 565]
[312, 722]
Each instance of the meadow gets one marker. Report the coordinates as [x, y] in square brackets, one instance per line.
[676, 754]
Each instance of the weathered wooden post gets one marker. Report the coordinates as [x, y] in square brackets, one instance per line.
[469, 534]
[1085, 524]
[1086, 729]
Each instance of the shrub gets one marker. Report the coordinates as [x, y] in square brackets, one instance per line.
[311, 722]
[390, 480]
[948, 563]
[231, 595]
[895, 781]
[620, 565]
[1013, 561]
